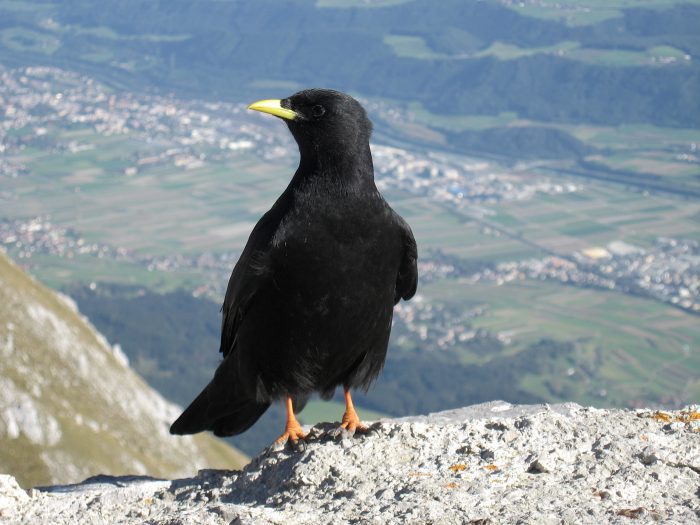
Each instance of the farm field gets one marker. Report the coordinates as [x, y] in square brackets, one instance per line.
[416, 47]
[57, 272]
[179, 194]
[670, 153]
[596, 215]
[528, 143]
[166, 210]
[577, 13]
[319, 411]
[621, 343]
[626, 348]
[158, 211]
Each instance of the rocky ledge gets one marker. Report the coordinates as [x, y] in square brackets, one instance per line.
[491, 463]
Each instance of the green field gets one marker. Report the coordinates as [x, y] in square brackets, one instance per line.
[20, 39]
[57, 272]
[597, 215]
[664, 164]
[161, 210]
[587, 12]
[594, 215]
[632, 348]
[459, 122]
[410, 46]
[319, 411]
[475, 90]
[658, 55]
[439, 229]
[128, 192]
[634, 148]
[628, 348]
[166, 210]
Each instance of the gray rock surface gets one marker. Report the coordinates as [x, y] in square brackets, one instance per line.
[491, 463]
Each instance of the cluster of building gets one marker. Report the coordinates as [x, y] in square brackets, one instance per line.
[38, 235]
[438, 326]
[27, 238]
[669, 271]
[457, 180]
[36, 99]
[188, 134]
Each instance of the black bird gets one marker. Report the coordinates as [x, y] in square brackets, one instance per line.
[309, 303]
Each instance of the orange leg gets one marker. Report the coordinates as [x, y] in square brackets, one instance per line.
[351, 422]
[292, 430]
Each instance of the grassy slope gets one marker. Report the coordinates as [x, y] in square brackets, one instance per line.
[317, 411]
[210, 50]
[60, 374]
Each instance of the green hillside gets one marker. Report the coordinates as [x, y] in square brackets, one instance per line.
[513, 80]
[629, 62]
[71, 408]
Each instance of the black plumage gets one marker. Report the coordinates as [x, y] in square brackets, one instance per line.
[309, 304]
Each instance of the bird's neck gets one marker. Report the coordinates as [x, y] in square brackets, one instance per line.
[346, 167]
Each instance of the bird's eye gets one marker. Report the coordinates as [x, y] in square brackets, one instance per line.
[318, 110]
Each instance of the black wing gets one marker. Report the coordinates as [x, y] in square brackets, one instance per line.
[407, 279]
[225, 406]
[250, 271]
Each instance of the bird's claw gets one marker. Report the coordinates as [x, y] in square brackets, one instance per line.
[350, 425]
[293, 436]
[337, 432]
[299, 445]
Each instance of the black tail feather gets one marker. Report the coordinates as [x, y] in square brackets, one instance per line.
[239, 421]
[203, 415]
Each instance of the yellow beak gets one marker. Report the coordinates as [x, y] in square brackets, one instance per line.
[273, 107]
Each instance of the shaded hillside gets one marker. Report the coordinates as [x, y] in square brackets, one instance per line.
[521, 142]
[240, 49]
[172, 341]
[70, 406]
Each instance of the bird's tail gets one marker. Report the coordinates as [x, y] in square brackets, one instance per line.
[203, 414]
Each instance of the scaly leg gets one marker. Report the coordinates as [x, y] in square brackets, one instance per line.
[292, 430]
[351, 422]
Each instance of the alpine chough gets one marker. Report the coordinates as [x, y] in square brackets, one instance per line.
[309, 303]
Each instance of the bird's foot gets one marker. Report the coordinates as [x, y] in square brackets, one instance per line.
[293, 434]
[351, 424]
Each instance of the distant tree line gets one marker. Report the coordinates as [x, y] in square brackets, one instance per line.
[224, 51]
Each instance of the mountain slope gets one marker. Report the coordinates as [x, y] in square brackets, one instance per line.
[454, 56]
[71, 407]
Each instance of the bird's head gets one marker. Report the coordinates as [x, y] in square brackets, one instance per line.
[322, 121]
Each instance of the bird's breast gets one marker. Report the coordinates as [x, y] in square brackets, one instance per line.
[337, 254]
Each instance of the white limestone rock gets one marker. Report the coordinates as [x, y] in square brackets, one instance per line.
[11, 496]
[491, 463]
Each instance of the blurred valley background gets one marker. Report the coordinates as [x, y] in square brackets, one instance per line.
[545, 154]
